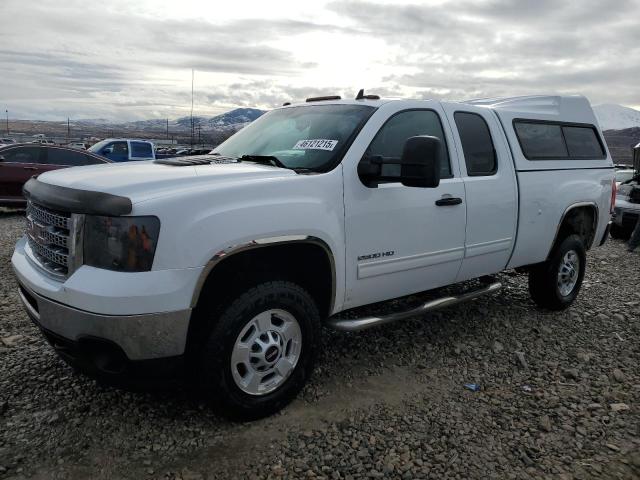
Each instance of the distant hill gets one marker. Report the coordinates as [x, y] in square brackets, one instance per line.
[233, 120]
[616, 117]
[620, 143]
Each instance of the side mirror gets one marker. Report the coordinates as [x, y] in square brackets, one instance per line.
[420, 162]
[419, 165]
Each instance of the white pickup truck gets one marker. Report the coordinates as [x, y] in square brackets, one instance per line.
[226, 265]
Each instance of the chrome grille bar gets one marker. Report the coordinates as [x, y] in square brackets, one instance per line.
[52, 238]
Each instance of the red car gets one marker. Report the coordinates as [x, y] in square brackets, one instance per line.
[18, 163]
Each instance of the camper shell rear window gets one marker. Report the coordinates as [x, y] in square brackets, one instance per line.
[544, 140]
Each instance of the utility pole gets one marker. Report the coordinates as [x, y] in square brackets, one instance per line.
[7, 112]
[167, 129]
[192, 130]
[68, 130]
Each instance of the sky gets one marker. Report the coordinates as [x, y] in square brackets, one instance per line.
[127, 60]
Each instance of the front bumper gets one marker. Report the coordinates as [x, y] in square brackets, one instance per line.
[144, 315]
[139, 337]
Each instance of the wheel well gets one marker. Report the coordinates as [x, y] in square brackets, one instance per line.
[307, 264]
[580, 220]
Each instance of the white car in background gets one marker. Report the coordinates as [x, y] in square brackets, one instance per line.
[7, 141]
[79, 145]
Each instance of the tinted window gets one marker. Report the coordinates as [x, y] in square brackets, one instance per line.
[582, 142]
[141, 149]
[390, 139]
[22, 155]
[541, 140]
[59, 156]
[477, 145]
[119, 148]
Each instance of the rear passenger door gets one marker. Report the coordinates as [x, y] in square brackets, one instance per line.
[490, 188]
[18, 165]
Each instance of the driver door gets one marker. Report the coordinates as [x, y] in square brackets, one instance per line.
[402, 240]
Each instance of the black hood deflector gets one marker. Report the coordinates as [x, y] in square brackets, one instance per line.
[194, 160]
[73, 200]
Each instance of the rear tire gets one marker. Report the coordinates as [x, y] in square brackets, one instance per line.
[555, 284]
[619, 233]
[261, 350]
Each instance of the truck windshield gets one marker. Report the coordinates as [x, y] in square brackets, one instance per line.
[313, 137]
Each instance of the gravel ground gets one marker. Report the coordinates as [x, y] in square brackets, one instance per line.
[559, 398]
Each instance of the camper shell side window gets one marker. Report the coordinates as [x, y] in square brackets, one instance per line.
[548, 140]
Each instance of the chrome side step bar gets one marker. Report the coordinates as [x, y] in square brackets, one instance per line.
[358, 324]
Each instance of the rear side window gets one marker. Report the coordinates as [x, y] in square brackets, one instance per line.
[59, 156]
[541, 140]
[141, 150]
[22, 155]
[549, 141]
[582, 142]
[477, 145]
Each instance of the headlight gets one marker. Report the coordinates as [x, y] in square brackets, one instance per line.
[124, 244]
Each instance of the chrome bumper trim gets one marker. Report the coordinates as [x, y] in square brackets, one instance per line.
[141, 337]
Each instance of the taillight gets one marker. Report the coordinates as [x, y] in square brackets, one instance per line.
[614, 192]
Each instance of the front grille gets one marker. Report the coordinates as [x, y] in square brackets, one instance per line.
[49, 236]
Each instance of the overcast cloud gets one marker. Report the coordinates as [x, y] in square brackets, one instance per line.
[125, 60]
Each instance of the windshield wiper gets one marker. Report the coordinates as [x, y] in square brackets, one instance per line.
[263, 159]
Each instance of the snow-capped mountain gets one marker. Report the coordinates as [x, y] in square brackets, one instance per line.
[616, 117]
[234, 118]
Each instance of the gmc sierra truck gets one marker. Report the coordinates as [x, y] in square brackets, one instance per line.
[224, 267]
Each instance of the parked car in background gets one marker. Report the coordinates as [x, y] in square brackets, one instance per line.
[7, 141]
[20, 162]
[44, 142]
[624, 176]
[627, 209]
[124, 150]
[79, 145]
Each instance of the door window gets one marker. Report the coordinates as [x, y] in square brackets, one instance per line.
[390, 139]
[59, 156]
[22, 155]
[120, 148]
[477, 145]
[141, 150]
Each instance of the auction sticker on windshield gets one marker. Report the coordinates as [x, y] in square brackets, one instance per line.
[316, 144]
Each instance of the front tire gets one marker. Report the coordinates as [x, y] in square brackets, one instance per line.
[555, 284]
[261, 351]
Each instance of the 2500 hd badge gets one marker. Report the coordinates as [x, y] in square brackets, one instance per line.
[371, 256]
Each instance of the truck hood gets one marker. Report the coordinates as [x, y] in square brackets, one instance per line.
[140, 181]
